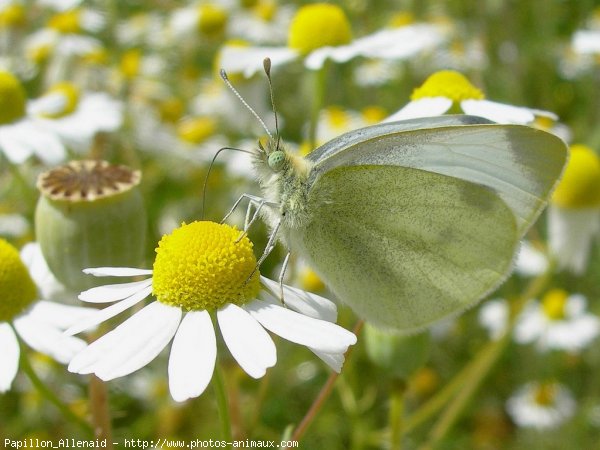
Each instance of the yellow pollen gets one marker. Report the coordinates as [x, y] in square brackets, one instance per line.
[202, 266]
[319, 25]
[580, 183]
[131, 62]
[449, 84]
[17, 288]
[67, 22]
[401, 19]
[70, 93]
[12, 98]
[196, 129]
[374, 114]
[310, 281]
[545, 394]
[553, 304]
[212, 20]
[12, 16]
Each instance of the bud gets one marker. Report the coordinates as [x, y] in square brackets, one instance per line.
[90, 214]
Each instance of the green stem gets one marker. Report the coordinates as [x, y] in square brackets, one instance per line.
[472, 374]
[221, 397]
[396, 416]
[49, 395]
[483, 363]
[319, 78]
[98, 395]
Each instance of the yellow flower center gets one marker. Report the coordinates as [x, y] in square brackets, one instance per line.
[202, 265]
[17, 288]
[67, 22]
[580, 183]
[374, 114]
[265, 10]
[553, 304]
[310, 281]
[319, 25]
[131, 62]
[12, 16]
[12, 98]
[545, 394]
[337, 117]
[196, 129]
[70, 93]
[98, 57]
[449, 84]
[402, 19]
[212, 20]
[39, 53]
[171, 109]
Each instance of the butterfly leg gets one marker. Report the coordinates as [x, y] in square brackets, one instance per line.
[268, 249]
[242, 197]
[284, 266]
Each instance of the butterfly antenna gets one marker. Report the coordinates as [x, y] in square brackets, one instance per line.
[267, 67]
[237, 94]
[212, 162]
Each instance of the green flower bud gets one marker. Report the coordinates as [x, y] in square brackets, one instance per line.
[90, 214]
[399, 354]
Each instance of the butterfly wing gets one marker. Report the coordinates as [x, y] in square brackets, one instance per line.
[405, 247]
[520, 163]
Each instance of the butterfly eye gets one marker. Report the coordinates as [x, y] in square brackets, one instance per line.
[277, 160]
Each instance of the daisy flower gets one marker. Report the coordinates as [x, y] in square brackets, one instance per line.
[541, 405]
[76, 116]
[208, 19]
[23, 315]
[574, 210]
[560, 321]
[321, 31]
[448, 91]
[493, 316]
[21, 136]
[203, 268]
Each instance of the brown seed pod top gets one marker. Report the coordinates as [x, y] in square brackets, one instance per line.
[87, 180]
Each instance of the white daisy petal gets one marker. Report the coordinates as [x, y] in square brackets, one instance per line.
[498, 112]
[47, 339]
[306, 303]
[111, 311]
[131, 345]
[530, 261]
[319, 334]
[333, 360]
[248, 342]
[249, 60]
[58, 315]
[193, 356]
[113, 292]
[423, 107]
[116, 271]
[9, 356]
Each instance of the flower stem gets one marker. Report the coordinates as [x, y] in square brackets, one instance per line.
[221, 397]
[323, 394]
[319, 78]
[51, 396]
[482, 365]
[396, 415]
[100, 410]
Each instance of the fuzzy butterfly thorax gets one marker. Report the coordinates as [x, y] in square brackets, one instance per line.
[287, 184]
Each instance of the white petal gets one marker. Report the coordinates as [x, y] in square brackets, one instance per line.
[9, 356]
[423, 107]
[193, 356]
[131, 345]
[586, 41]
[47, 339]
[306, 303]
[333, 360]
[116, 271]
[111, 311]
[113, 292]
[58, 315]
[318, 334]
[498, 112]
[249, 60]
[530, 261]
[248, 342]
